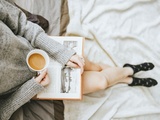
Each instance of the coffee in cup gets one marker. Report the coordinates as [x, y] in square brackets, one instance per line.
[37, 60]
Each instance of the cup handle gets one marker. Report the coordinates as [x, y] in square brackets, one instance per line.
[38, 73]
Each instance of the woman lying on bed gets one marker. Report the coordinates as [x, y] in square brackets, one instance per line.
[17, 85]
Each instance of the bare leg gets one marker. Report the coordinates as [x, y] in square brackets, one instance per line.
[100, 76]
[116, 75]
[95, 80]
[91, 66]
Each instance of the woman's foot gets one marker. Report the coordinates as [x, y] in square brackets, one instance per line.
[140, 67]
[147, 82]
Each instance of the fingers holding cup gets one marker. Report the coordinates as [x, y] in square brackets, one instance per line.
[43, 78]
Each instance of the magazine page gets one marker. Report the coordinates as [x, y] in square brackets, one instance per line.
[65, 83]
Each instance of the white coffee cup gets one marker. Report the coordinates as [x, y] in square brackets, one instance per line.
[37, 60]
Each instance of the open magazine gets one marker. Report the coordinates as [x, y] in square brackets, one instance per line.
[65, 82]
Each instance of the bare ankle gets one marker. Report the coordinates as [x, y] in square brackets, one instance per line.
[129, 71]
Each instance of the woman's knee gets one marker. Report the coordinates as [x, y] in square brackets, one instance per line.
[102, 83]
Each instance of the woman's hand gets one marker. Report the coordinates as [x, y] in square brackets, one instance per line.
[76, 61]
[43, 78]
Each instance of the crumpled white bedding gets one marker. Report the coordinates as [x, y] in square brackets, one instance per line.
[118, 32]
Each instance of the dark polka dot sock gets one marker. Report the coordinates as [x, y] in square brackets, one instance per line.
[140, 67]
[147, 82]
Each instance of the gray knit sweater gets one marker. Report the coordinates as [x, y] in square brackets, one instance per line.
[17, 37]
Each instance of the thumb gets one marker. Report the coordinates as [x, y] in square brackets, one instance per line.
[41, 76]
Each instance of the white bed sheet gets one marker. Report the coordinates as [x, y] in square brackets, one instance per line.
[118, 32]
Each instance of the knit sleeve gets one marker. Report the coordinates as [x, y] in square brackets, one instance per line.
[16, 20]
[18, 98]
